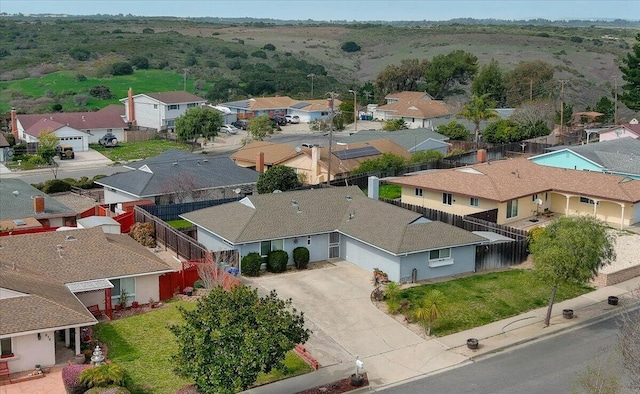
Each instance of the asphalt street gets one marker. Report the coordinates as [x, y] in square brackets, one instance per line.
[551, 365]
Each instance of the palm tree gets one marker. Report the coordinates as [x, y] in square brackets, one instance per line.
[429, 309]
[477, 110]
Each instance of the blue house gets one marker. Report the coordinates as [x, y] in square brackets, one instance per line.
[340, 223]
[618, 157]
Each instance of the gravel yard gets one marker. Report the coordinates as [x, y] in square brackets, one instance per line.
[627, 248]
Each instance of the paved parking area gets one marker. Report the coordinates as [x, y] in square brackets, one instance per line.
[85, 159]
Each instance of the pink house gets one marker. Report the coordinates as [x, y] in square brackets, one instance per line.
[631, 129]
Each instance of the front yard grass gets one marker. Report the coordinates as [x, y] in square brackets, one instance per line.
[126, 151]
[480, 299]
[179, 223]
[142, 345]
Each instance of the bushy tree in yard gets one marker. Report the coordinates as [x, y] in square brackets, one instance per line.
[454, 130]
[232, 336]
[394, 125]
[260, 127]
[631, 75]
[528, 80]
[571, 250]
[398, 78]
[489, 81]
[197, 122]
[607, 107]
[425, 156]
[447, 72]
[278, 178]
[47, 145]
[389, 163]
[477, 110]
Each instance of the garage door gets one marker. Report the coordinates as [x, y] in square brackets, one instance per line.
[76, 142]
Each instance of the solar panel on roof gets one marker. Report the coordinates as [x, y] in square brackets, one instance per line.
[299, 105]
[356, 153]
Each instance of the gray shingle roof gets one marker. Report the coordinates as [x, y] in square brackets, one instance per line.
[20, 205]
[619, 155]
[170, 171]
[408, 139]
[300, 213]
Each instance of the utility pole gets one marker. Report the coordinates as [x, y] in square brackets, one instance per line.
[312, 76]
[355, 108]
[184, 83]
[615, 100]
[332, 96]
[562, 82]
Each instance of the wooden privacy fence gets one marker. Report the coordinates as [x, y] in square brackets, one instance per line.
[184, 246]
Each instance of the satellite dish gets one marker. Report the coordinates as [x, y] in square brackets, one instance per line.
[539, 201]
[298, 149]
[237, 190]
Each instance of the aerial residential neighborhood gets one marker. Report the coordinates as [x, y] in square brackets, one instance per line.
[399, 199]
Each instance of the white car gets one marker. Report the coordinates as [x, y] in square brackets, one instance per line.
[293, 119]
[229, 129]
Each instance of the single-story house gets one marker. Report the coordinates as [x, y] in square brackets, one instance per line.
[520, 189]
[307, 110]
[48, 281]
[619, 157]
[631, 129]
[312, 164]
[23, 207]
[413, 140]
[160, 110]
[78, 129]
[339, 222]
[417, 109]
[177, 176]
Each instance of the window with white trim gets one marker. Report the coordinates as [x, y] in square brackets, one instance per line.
[192, 105]
[6, 346]
[447, 198]
[173, 106]
[586, 200]
[121, 285]
[512, 209]
[268, 246]
[418, 192]
[474, 202]
[440, 257]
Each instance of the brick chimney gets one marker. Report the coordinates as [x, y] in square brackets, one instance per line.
[260, 162]
[131, 116]
[14, 125]
[38, 204]
[481, 155]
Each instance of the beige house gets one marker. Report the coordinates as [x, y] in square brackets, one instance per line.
[520, 189]
[312, 164]
[417, 109]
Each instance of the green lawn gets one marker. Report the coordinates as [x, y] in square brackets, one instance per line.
[480, 299]
[126, 151]
[388, 191]
[143, 345]
[63, 82]
[180, 223]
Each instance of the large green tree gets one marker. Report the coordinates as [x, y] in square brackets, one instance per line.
[47, 143]
[528, 81]
[198, 122]
[232, 336]
[403, 77]
[447, 72]
[260, 127]
[454, 130]
[631, 75]
[571, 250]
[278, 178]
[389, 163]
[489, 81]
[607, 107]
[425, 156]
[479, 109]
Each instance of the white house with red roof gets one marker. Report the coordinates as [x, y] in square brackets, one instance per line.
[78, 129]
[158, 110]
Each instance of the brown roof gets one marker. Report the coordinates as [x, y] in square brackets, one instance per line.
[319, 105]
[43, 303]
[408, 96]
[416, 105]
[43, 125]
[88, 254]
[273, 153]
[176, 97]
[509, 179]
[77, 120]
[3, 141]
[262, 103]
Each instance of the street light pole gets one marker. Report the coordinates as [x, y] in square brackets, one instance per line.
[332, 96]
[312, 76]
[355, 108]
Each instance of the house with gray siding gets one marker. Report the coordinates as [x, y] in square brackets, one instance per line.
[340, 223]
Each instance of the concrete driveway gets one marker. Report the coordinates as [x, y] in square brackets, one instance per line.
[90, 158]
[336, 304]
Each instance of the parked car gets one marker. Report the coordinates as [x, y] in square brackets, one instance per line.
[65, 152]
[308, 145]
[279, 120]
[108, 140]
[241, 124]
[229, 129]
[293, 119]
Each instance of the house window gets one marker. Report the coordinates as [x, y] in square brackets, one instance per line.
[192, 105]
[512, 209]
[474, 202]
[6, 346]
[171, 123]
[447, 198]
[418, 192]
[268, 246]
[534, 197]
[586, 200]
[440, 257]
[308, 240]
[127, 285]
[173, 106]
[155, 106]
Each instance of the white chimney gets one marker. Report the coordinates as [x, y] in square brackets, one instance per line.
[373, 187]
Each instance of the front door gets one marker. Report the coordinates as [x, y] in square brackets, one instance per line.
[334, 245]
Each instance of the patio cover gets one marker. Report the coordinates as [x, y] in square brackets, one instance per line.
[89, 285]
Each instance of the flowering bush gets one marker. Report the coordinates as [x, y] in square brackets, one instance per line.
[70, 375]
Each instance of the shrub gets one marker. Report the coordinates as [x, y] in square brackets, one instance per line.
[251, 264]
[121, 68]
[55, 186]
[350, 46]
[394, 125]
[80, 100]
[277, 261]
[102, 376]
[140, 62]
[576, 39]
[144, 233]
[57, 107]
[79, 54]
[269, 47]
[80, 78]
[70, 375]
[101, 92]
[148, 30]
[260, 54]
[199, 284]
[108, 390]
[301, 257]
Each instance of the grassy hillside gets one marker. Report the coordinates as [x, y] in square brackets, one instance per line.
[232, 61]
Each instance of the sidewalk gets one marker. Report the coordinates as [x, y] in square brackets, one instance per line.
[450, 351]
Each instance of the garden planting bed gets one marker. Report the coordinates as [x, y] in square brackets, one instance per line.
[337, 387]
